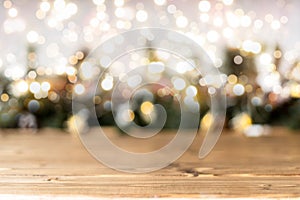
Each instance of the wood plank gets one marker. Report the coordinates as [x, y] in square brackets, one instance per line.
[52, 162]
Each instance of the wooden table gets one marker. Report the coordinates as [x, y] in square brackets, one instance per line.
[52, 163]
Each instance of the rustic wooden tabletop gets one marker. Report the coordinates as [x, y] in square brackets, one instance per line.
[54, 164]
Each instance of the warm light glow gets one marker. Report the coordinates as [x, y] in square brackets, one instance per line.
[7, 4]
[128, 115]
[147, 107]
[295, 91]
[4, 97]
[241, 122]
[73, 60]
[53, 96]
[22, 87]
[79, 55]
[76, 123]
[232, 79]
[47, 53]
[206, 121]
[40, 14]
[269, 18]
[277, 54]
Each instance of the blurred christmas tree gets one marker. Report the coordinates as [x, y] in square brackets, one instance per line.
[244, 95]
[45, 95]
[144, 99]
[258, 92]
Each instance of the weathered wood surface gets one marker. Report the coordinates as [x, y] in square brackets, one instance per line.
[55, 163]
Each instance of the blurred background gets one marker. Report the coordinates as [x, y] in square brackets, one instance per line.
[255, 46]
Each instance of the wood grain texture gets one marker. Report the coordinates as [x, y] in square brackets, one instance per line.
[55, 163]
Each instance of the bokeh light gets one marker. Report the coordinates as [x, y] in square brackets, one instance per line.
[255, 46]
